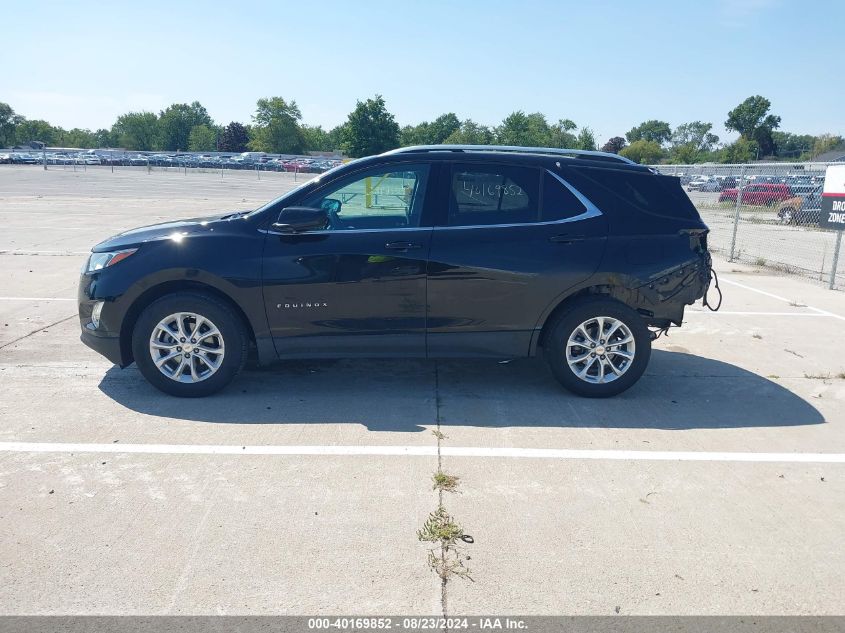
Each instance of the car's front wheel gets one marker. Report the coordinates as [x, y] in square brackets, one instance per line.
[189, 344]
[597, 348]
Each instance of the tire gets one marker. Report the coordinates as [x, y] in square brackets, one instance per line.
[221, 344]
[587, 313]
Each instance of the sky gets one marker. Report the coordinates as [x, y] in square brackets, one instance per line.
[606, 64]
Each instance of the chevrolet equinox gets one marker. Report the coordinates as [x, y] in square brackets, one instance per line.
[428, 252]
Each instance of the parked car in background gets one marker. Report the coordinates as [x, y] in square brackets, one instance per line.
[22, 158]
[804, 208]
[763, 195]
[5, 159]
[704, 183]
[726, 182]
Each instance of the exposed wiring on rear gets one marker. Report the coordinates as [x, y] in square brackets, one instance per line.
[712, 277]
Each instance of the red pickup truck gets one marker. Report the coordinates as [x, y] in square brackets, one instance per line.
[766, 194]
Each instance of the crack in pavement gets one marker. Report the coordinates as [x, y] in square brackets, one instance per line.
[41, 329]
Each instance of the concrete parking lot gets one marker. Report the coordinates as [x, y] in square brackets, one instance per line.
[714, 486]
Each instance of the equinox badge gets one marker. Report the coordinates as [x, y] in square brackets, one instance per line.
[303, 304]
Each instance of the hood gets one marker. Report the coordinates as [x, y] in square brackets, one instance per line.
[166, 230]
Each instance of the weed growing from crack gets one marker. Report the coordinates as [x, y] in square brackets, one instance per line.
[444, 482]
[446, 559]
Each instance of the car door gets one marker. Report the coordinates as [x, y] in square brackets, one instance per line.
[513, 238]
[356, 288]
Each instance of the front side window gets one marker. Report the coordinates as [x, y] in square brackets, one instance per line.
[493, 194]
[386, 197]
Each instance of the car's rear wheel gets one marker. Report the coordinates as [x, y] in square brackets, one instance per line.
[598, 348]
[189, 344]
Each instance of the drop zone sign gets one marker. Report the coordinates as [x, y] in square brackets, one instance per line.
[833, 198]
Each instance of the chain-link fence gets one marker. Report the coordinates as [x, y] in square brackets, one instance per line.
[195, 161]
[766, 215]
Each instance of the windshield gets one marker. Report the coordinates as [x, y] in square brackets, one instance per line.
[314, 180]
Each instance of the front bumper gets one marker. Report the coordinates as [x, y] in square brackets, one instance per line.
[104, 339]
[107, 345]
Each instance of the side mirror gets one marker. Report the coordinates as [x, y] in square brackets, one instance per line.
[301, 219]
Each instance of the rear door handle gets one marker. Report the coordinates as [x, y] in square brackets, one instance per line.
[402, 246]
[566, 238]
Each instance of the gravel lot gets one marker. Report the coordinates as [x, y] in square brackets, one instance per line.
[714, 486]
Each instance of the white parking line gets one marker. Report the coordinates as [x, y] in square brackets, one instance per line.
[729, 313]
[423, 451]
[16, 251]
[779, 298]
[36, 299]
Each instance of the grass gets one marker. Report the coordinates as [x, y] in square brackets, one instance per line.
[446, 559]
[439, 434]
[757, 336]
[828, 376]
[444, 482]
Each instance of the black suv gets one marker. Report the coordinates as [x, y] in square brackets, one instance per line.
[426, 252]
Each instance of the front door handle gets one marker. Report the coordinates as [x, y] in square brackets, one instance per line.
[566, 238]
[402, 246]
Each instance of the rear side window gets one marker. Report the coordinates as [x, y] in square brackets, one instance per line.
[559, 202]
[658, 195]
[493, 194]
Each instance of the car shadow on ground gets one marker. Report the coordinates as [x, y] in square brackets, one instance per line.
[679, 391]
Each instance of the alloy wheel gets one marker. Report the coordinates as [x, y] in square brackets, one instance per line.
[600, 350]
[187, 347]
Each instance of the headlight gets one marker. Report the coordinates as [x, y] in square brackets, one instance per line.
[98, 261]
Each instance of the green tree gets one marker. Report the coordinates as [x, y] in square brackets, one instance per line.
[470, 133]
[370, 129]
[316, 138]
[105, 138]
[176, 122]
[653, 130]
[203, 138]
[585, 139]
[336, 136]
[276, 128]
[530, 130]
[740, 151]
[136, 130]
[643, 152]
[9, 122]
[751, 119]
[433, 133]
[234, 137]
[614, 145]
[27, 131]
[792, 146]
[827, 143]
[692, 142]
[561, 134]
[76, 138]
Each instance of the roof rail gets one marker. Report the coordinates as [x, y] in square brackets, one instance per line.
[553, 151]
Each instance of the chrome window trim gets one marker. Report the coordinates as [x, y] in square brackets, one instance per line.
[592, 211]
[343, 231]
